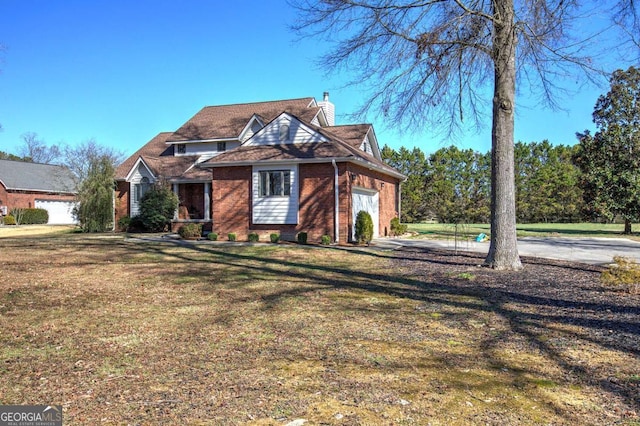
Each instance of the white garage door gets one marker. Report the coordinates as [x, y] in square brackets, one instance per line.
[369, 201]
[60, 212]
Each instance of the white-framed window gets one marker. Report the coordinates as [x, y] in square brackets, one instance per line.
[274, 183]
[141, 188]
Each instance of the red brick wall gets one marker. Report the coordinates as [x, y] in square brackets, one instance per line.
[317, 201]
[232, 202]
[387, 188]
[24, 200]
[122, 200]
[231, 190]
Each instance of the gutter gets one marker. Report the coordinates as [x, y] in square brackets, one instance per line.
[336, 213]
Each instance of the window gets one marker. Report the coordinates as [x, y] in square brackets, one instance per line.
[275, 183]
[284, 132]
[222, 146]
[141, 188]
[182, 148]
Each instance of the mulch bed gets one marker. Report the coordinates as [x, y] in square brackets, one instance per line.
[546, 295]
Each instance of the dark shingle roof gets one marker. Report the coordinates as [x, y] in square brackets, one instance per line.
[21, 176]
[353, 134]
[156, 147]
[228, 121]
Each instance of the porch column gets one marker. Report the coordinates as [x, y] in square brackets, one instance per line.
[177, 192]
[207, 201]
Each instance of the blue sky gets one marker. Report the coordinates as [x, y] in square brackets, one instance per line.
[123, 71]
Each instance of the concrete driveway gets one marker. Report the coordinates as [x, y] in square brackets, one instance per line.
[585, 250]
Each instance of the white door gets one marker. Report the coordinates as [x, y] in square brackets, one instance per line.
[369, 201]
[60, 212]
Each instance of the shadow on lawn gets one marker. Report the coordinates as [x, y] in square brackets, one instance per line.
[527, 312]
[429, 276]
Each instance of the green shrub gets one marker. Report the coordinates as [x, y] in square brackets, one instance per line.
[624, 274]
[31, 216]
[212, 236]
[124, 223]
[302, 238]
[157, 208]
[10, 220]
[326, 240]
[364, 227]
[190, 230]
[232, 236]
[274, 238]
[397, 228]
[253, 237]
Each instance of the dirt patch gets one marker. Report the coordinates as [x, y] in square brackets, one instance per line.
[30, 230]
[123, 332]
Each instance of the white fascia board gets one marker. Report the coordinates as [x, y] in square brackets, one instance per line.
[322, 118]
[189, 181]
[360, 162]
[246, 128]
[41, 191]
[313, 103]
[291, 118]
[135, 166]
[373, 141]
[202, 140]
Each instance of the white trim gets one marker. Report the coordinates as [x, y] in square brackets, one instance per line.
[358, 161]
[336, 191]
[135, 167]
[276, 210]
[247, 127]
[194, 141]
[299, 125]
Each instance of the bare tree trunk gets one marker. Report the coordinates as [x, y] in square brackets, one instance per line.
[627, 226]
[503, 251]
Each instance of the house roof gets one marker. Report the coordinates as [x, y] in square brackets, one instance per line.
[333, 149]
[353, 134]
[160, 160]
[22, 176]
[156, 147]
[228, 121]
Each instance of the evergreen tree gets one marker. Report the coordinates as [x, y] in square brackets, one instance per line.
[610, 159]
[95, 196]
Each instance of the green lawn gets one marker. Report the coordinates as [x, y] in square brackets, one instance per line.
[442, 230]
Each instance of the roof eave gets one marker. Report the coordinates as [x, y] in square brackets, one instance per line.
[359, 161]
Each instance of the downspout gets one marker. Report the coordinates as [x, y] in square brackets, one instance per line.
[336, 213]
[399, 200]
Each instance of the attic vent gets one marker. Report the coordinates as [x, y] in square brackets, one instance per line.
[181, 148]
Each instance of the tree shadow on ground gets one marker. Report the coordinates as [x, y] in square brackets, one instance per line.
[544, 294]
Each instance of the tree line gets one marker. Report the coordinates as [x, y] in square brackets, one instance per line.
[453, 185]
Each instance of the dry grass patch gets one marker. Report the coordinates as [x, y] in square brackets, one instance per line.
[127, 332]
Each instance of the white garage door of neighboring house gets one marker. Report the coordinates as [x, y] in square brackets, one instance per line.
[369, 201]
[60, 212]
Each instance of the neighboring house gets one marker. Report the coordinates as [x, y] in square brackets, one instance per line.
[33, 185]
[267, 167]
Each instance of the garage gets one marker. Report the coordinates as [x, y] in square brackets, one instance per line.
[369, 201]
[60, 212]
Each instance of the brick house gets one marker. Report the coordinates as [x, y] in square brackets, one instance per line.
[34, 185]
[280, 166]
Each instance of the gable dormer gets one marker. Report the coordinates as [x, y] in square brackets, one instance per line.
[285, 129]
[254, 125]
